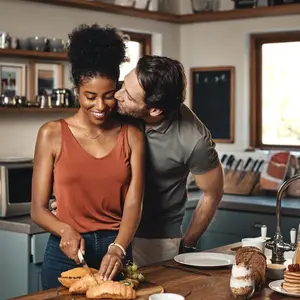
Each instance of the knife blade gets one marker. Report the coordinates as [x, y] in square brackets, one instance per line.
[84, 264]
[229, 163]
[244, 172]
[259, 166]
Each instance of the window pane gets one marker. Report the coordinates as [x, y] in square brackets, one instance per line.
[281, 93]
[133, 53]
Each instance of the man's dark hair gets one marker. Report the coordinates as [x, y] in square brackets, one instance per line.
[163, 80]
[95, 51]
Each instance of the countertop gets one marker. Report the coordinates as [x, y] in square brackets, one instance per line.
[204, 284]
[261, 204]
[290, 207]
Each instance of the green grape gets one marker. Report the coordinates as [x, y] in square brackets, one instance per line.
[141, 277]
[129, 269]
[134, 276]
[134, 267]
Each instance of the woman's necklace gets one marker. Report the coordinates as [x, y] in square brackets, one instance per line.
[86, 134]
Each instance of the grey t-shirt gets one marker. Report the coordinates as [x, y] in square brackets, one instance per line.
[179, 145]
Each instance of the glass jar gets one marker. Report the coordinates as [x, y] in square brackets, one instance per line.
[242, 283]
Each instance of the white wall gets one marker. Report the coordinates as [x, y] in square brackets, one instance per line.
[226, 43]
[24, 19]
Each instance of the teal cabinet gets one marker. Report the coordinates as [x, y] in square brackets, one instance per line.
[20, 263]
[229, 226]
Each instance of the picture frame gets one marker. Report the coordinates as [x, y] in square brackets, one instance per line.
[44, 77]
[212, 92]
[13, 79]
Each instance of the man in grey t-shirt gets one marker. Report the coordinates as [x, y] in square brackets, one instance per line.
[177, 143]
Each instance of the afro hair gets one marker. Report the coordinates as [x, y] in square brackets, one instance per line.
[95, 51]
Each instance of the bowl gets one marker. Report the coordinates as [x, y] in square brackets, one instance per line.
[275, 271]
[37, 43]
[24, 44]
[166, 296]
[56, 45]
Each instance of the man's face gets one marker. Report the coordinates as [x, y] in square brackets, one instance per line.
[131, 97]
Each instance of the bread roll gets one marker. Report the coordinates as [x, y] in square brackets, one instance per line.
[111, 290]
[84, 283]
[71, 276]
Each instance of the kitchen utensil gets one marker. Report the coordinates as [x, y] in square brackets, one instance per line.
[84, 264]
[205, 259]
[244, 172]
[229, 163]
[258, 169]
[223, 158]
[238, 165]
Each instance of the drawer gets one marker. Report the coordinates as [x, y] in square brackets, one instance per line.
[38, 246]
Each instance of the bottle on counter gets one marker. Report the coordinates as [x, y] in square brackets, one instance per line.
[296, 257]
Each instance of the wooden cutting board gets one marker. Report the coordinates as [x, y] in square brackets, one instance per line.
[143, 292]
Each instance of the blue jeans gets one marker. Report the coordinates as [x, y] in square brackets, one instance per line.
[55, 261]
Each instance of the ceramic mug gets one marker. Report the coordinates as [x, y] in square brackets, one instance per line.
[254, 242]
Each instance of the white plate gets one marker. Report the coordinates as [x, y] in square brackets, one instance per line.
[276, 286]
[205, 259]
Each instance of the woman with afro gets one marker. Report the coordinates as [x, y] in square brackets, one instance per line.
[94, 163]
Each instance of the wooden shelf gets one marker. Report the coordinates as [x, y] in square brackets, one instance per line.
[246, 13]
[259, 12]
[115, 9]
[34, 54]
[37, 110]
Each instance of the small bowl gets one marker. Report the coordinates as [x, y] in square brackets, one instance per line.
[38, 43]
[275, 271]
[56, 45]
[24, 43]
[166, 296]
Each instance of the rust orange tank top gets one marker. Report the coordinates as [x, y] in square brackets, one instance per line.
[90, 192]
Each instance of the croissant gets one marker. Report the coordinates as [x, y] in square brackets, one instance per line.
[69, 277]
[111, 290]
[84, 283]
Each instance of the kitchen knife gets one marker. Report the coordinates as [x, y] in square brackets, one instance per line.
[254, 165]
[84, 264]
[223, 158]
[244, 172]
[229, 163]
[259, 166]
[238, 164]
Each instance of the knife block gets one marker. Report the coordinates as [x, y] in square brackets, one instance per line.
[241, 183]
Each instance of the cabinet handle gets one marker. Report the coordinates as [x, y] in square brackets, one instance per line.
[257, 225]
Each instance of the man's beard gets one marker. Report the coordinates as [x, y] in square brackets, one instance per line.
[135, 114]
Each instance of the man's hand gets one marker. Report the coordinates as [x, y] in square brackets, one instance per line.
[183, 248]
[53, 207]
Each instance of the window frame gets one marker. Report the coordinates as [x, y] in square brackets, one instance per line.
[143, 38]
[256, 42]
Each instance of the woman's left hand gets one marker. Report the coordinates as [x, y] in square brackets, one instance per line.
[111, 264]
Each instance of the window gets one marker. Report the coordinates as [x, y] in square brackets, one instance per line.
[138, 45]
[275, 90]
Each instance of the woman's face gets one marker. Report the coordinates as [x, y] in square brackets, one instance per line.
[96, 98]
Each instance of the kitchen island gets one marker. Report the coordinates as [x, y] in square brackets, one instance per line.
[249, 213]
[197, 284]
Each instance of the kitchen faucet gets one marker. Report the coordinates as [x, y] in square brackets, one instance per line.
[277, 245]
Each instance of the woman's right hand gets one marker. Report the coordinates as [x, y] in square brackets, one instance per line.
[70, 242]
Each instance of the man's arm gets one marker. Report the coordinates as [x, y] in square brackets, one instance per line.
[211, 184]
